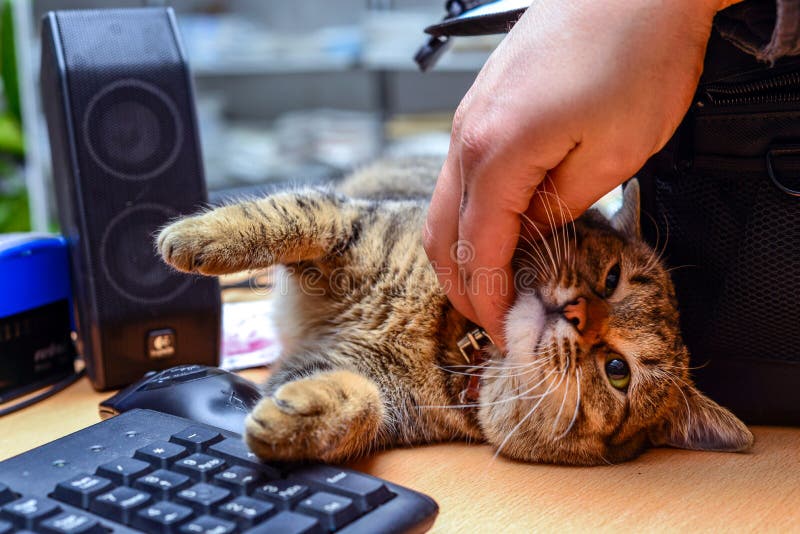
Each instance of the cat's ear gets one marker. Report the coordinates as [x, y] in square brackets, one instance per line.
[626, 219]
[699, 423]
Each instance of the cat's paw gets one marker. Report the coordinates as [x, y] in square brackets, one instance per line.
[196, 244]
[329, 417]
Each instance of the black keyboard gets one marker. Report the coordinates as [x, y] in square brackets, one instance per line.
[146, 471]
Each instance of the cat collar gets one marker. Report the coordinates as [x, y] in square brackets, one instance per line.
[473, 348]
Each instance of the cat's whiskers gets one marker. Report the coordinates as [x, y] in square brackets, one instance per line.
[524, 395]
[562, 370]
[578, 375]
[551, 221]
[532, 366]
[542, 242]
[481, 371]
[541, 268]
[543, 195]
[501, 365]
[657, 252]
[676, 267]
[660, 248]
[527, 416]
[541, 263]
[504, 400]
[671, 378]
[686, 368]
[567, 223]
[564, 398]
[567, 226]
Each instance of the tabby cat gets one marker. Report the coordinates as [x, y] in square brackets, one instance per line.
[595, 368]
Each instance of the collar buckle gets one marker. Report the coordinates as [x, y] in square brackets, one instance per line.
[472, 347]
[474, 341]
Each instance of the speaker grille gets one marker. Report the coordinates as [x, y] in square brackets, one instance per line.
[131, 101]
[133, 130]
[139, 275]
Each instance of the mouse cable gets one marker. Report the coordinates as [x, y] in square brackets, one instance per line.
[49, 392]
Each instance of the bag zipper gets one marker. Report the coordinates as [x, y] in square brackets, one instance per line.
[781, 89]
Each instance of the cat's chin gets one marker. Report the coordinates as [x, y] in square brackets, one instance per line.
[524, 325]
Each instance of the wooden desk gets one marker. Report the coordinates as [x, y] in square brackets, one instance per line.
[664, 490]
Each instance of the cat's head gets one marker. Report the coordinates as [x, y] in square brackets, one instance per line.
[596, 369]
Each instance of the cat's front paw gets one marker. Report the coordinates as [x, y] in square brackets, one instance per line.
[291, 426]
[195, 245]
[330, 417]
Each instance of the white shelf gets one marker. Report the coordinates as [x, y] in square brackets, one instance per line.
[461, 62]
[272, 67]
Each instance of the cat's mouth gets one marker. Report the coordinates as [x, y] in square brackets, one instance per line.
[525, 325]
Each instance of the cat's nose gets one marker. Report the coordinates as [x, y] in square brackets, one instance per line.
[589, 316]
[575, 313]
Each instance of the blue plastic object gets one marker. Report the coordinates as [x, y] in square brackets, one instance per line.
[34, 271]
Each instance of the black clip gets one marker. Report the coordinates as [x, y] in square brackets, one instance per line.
[429, 53]
[468, 17]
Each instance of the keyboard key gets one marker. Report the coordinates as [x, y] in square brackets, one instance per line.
[366, 492]
[203, 497]
[162, 484]
[241, 480]
[289, 523]
[284, 493]
[209, 525]
[196, 438]
[80, 490]
[333, 511]
[27, 511]
[6, 495]
[199, 466]
[120, 504]
[124, 471]
[161, 517]
[161, 453]
[71, 523]
[235, 451]
[246, 511]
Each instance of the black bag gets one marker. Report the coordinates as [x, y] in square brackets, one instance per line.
[724, 203]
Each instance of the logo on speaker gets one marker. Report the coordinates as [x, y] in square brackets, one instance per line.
[161, 343]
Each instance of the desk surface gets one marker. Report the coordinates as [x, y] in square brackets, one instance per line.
[663, 490]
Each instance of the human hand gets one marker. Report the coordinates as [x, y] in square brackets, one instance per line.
[582, 91]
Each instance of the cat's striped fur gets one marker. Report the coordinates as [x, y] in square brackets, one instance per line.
[370, 358]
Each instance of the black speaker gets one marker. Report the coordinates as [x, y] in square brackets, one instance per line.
[119, 103]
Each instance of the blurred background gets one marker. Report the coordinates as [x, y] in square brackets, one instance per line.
[287, 92]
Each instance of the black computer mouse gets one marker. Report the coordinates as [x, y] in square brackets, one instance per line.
[204, 394]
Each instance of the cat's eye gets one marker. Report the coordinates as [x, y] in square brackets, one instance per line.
[612, 280]
[618, 372]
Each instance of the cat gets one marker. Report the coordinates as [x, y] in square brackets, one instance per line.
[595, 370]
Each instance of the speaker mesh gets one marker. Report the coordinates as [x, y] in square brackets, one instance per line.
[131, 102]
[129, 263]
[132, 130]
[733, 243]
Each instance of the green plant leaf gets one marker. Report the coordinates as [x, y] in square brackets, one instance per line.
[11, 139]
[14, 212]
[8, 61]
